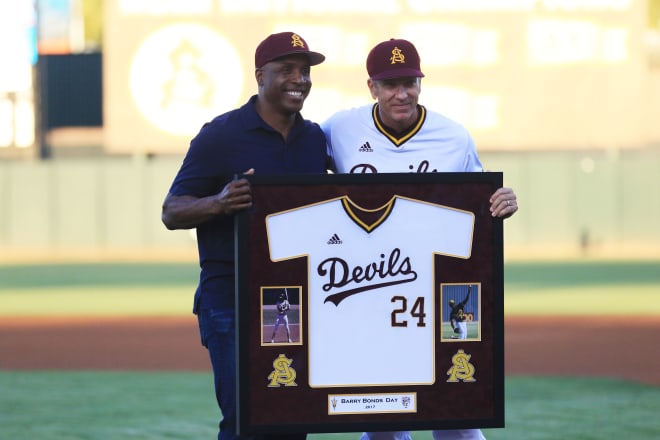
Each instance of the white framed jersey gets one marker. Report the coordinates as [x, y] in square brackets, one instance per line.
[371, 285]
[358, 143]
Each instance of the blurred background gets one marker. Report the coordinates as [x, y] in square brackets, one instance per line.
[100, 98]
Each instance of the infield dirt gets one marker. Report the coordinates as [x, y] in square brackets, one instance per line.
[620, 347]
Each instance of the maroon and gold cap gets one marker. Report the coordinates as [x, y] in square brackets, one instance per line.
[283, 44]
[394, 58]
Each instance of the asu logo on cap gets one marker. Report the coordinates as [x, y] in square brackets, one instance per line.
[296, 41]
[281, 45]
[397, 56]
[393, 59]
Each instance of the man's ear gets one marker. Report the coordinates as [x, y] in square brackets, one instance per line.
[372, 86]
[259, 76]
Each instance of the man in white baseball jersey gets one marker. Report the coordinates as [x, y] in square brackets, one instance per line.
[396, 134]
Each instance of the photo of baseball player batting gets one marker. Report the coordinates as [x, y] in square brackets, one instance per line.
[280, 315]
[460, 306]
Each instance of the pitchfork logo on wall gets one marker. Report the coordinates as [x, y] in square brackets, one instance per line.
[179, 77]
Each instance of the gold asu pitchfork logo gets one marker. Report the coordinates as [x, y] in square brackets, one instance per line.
[462, 368]
[282, 374]
[397, 56]
[296, 41]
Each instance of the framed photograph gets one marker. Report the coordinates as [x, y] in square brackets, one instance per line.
[370, 302]
[280, 315]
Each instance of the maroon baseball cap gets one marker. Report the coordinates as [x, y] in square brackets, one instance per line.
[282, 44]
[393, 59]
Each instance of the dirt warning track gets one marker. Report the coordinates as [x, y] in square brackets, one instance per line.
[577, 346]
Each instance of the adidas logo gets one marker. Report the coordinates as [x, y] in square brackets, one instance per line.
[335, 239]
[366, 148]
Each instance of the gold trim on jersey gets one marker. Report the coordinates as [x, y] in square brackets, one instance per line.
[407, 134]
[353, 211]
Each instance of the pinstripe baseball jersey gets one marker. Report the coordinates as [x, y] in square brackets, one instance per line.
[370, 285]
[358, 143]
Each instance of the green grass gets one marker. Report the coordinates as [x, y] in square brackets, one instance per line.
[472, 330]
[582, 273]
[130, 405]
[579, 408]
[104, 405]
[97, 289]
[584, 288]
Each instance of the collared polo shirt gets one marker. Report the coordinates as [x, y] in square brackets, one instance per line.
[229, 145]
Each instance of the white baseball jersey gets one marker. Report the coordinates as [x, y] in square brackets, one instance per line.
[357, 143]
[359, 276]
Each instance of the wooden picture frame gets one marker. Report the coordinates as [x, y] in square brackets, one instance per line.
[373, 261]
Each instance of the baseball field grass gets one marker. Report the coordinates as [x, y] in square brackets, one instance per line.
[61, 405]
[148, 289]
[173, 405]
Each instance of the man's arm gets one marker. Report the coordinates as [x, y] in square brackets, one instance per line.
[462, 304]
[186, 212]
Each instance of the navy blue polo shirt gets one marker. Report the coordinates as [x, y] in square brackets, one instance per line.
[231, 144]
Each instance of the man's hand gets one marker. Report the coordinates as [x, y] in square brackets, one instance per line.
[503, 203]
[186, 212]
[235, 196]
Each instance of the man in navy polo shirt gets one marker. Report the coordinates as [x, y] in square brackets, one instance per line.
[267, 136]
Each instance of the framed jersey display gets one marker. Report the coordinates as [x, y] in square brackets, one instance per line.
[370, 302]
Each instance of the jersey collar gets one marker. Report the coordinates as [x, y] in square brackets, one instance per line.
[399, 138]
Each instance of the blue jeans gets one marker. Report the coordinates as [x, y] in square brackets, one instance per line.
[217, 328]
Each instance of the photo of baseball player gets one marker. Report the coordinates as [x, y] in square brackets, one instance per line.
[281, 315]
[283, 306]
[460, 312]
[457, 315]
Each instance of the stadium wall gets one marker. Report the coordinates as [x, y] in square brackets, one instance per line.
[589, 203]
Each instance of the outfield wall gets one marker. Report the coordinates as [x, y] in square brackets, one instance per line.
[573, 203]
[521, 74]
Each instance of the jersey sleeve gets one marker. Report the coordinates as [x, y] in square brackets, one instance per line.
[472, 162]
[449, 230]
[288, 233]
[326, 126]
